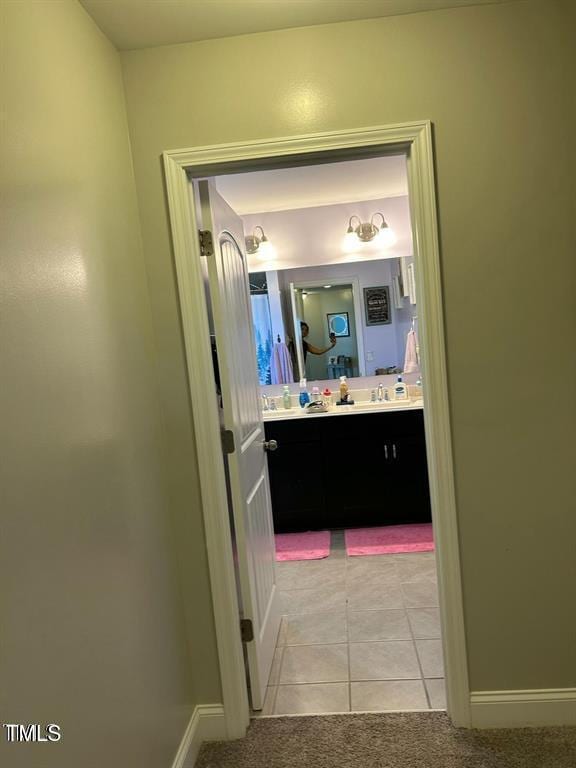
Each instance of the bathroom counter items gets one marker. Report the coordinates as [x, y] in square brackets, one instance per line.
[368, 469]
[341, 410]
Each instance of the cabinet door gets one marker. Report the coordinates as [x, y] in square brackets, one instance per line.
[296, 476]
[297, 487]
[408, 488]
[358, 482]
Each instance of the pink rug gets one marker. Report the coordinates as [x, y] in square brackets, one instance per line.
[389, 539]
[311, 545]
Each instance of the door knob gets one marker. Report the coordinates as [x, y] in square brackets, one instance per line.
[270, 445]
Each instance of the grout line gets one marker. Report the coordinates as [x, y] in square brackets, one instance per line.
[346, 572]
[419, 665]
[275, 697]
[364, 680]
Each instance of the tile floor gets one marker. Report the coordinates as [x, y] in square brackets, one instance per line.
[359, 634]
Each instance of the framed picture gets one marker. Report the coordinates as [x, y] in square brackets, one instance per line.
[377, 305]
[338, 323]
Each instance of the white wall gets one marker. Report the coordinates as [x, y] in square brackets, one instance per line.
[306, 236]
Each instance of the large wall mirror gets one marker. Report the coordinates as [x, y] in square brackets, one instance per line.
[322, 322]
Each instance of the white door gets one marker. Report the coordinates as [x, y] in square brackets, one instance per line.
[297, 316]
[248, 468]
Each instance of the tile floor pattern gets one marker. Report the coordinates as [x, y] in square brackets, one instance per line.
[358, 634]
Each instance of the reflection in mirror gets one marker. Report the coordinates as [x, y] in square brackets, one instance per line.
[328, 328]
[322, 322]
[262, 324]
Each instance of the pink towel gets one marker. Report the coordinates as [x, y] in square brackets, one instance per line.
[411, 362]
[281, 365]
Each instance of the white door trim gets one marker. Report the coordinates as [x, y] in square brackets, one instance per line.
[415, 139]
[357, 301]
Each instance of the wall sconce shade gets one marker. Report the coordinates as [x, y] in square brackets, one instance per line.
[259, 243]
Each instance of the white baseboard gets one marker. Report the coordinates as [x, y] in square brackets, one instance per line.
[517, 709]
[206, 724]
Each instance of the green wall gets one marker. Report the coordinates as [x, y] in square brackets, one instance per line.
[92, 635]
[494, 80]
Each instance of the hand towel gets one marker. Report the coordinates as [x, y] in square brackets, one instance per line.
[411, 361]
[281, 365]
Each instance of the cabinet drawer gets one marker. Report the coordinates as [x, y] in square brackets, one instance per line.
[293, 430]
[374, 425]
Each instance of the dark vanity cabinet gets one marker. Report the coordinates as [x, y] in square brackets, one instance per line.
[348, 471]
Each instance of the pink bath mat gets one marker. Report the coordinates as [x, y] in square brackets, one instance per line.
[311, 545]
[389, 539]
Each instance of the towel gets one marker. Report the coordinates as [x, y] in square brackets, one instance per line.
[281, 365]
[411, 361]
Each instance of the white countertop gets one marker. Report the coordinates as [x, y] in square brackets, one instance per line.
[283, 414]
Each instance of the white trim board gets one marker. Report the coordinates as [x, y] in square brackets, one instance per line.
[206, 724]
[523, 709]
[414, 139]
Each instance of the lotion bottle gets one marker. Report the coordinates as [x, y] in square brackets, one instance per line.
[400, 390]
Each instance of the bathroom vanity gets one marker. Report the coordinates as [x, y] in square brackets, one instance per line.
[346, 469]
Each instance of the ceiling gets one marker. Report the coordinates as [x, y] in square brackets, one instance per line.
[133, 24]
[315, 185]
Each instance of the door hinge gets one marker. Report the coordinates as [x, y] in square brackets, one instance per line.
[206, 242]
[227, 437]
[246, 630]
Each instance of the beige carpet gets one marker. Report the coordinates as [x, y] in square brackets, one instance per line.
[405, 740]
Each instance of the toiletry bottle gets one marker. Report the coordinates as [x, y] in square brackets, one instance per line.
[343, 389]
[327, 397]
[315, 394]
[304, 397]
[287, 397]
[400, 390]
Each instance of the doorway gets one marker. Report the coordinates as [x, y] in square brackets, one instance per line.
[415, 141]
[360, 628]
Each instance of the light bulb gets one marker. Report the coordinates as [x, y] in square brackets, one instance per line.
[350, 242]
[385, 237]
[266, 251]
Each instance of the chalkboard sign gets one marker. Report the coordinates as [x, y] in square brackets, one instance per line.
[377, 305]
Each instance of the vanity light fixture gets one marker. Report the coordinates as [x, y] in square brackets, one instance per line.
[367, 232]
[259, 243]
